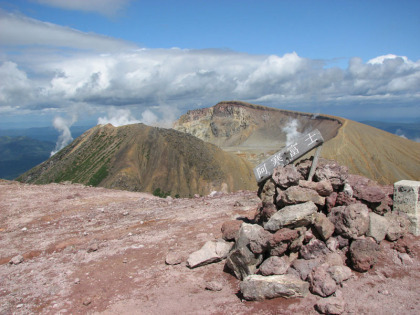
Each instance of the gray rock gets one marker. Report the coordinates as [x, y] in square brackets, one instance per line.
[398, 225]
[267, 192]
[340, 273]
[315, 248]
[287, 176]
[323, 188]
[296, 194]
[254, 236]
[363, 254]
[275, 265]
[304, 267]
[350, 221]
[378, 226]
[348, 190]
[292, 216]
[332, 305]
[173, 258]
[321, 281]
[257, 287]
[16, 260]
[212, 251]
[323, 226]
[214, 286]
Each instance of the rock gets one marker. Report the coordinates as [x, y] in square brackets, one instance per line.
[16, 260]
[363, 254]
[92, 248]
[173, 258]
[323, 226]
[351, 221]
[304, 267]
[212, 251]
[242, 262]
[332, 244]
[275, 265]
[333, 172]
[266, 212]
[279, 249]
[402, 245]
[321, 282]
[342, 242]
[284, 235]
[333, 259]
[331, 305]
[254, 236]
[378, 227]
[313, 249]
[267, 191]
[303, 167]
[405, 258]
[330, 201]
[214, 286]
[398, 225]
[340, 273]
[230, 229]
[257, 287]
[292, 216]
[286, 176]
[366, 189]
[295, 194]
[323, 188]
[348, 190]
[344, 200]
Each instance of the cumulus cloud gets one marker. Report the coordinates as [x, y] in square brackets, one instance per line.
[168, 81]
[106, 7]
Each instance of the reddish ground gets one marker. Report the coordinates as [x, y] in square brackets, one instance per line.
[58, 227]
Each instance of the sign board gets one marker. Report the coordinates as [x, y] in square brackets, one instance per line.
[288, 154]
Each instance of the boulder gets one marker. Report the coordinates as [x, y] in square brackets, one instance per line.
[295, 194]
[267, 191]
[275, 265]
[230, 229]
[340, 273]
[212, 251]
[321, 281]
[284, 235]
[398, 225]
[266, 212]
[292, 216]
[378, 227]
[366, 189]
[332, 305]
[304, 267]
[303, 167]
[323, 226]
[333, 172]
[257, 287]
[350, 221]
[254, 237]
[323, 188]
[363, 254]
[286, 176]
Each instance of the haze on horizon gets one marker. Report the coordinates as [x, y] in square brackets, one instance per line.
[150, 61]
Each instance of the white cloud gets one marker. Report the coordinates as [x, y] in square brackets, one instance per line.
[18, 30]
[106, 7]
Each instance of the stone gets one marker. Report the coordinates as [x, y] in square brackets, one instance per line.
[212, 251]
[323, 188]
[92, 248]
[173, 258]
[279, 249]
[287, 176]
[323, 226]
[344, 200]
[333, 172]
[16, 260]
[340, 273]
[230, 229]
[348, 190]
[363, 254]
[332, 305]
[402, 245]
[332, 244]
[398, 225]
[333, 259]
[313, 249]
[257, 287]
[267, 191]
[378, 227]
[366, 189]
[275, 265]
[321, 282]
[330, 201]
[254, 236]
[266, 212]
[303, 167]
[407, 200]
[295, 195]
[284, 235]
[292, 216]
[350, 221]
[214, 286]
[304, 267]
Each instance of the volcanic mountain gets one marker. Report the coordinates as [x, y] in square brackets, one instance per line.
[254, 132]
[143, 158]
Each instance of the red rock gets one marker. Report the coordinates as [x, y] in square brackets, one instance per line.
[321, 282]
[286, 176]
[323, 188]
[230, 229]
[330, 201]
[333, 172]
[284, 235]
[363, 254]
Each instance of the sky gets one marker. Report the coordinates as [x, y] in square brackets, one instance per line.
[65, 62]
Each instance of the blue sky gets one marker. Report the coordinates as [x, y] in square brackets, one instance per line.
[151, 61]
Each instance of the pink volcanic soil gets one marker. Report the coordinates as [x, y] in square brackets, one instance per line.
[58, 227]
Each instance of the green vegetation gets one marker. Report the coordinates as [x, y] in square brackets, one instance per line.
[100, 175]
[160, 193]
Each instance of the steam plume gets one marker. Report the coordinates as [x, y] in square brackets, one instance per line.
[291, 131]
[63, 126]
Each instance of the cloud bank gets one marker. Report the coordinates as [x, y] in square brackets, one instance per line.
[109, 73]
[105, 7]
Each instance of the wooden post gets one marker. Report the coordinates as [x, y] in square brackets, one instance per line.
[314, 163]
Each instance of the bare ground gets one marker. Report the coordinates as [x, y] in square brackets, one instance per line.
[98, 251]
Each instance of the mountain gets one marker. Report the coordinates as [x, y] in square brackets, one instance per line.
[19, 154]
[255, 131]
[143, 158]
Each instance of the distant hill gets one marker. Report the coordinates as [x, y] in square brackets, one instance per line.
[19, 154]
[42, 133]
[410, 131]
[254, 132]
[143, 158]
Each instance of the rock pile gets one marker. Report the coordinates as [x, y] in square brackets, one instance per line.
[307, 236]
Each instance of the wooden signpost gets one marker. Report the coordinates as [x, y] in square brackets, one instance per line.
[289, 154]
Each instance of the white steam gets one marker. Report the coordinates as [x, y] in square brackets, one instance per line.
[63, 126]
[291, 131]
[118, 117]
